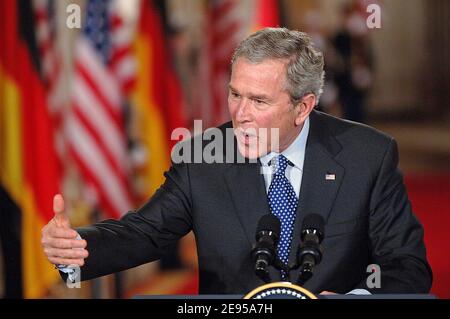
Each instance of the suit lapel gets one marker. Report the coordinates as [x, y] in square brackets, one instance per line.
[322, 177]
[246, 186]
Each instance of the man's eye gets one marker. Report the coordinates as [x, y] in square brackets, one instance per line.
[259, 102]
[235, 95]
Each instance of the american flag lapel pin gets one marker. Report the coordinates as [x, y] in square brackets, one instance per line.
[330, 177]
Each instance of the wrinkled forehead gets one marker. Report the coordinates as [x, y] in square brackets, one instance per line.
[268, 75]
[267, 69]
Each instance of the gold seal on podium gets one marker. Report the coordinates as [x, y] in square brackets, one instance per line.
[280, 290]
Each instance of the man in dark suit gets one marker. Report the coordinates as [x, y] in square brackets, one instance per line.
[344, 171]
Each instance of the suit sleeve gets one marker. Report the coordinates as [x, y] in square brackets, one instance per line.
[144, 235]
[395, 234]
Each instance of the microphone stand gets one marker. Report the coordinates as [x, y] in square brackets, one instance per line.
[263, 273]
[305, 273]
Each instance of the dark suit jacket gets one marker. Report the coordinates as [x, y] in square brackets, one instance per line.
[366, 208]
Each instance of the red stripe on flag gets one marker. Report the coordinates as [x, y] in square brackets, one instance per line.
[89, 177]
[118, 168]
[116, 117]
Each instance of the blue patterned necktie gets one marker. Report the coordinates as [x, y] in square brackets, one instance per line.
[283, 204]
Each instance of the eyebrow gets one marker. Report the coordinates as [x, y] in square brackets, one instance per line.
[253, 96]
[231, 88]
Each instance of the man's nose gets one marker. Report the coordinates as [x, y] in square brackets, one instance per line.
[244, 110]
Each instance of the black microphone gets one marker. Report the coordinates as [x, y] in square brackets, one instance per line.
[264, 251]
[310, 251]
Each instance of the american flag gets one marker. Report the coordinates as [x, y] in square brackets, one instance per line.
[103, 70]
[225, 30]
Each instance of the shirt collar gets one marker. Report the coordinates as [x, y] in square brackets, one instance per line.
[295, 152]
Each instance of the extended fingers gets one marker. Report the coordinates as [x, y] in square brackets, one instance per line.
[66, 253]
[52, 242]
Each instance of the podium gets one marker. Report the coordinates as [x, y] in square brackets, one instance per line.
[287, 290]
[330, 297]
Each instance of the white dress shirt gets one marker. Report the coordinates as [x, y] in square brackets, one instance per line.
[295, 153]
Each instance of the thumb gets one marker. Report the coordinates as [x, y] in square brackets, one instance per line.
[61, 217]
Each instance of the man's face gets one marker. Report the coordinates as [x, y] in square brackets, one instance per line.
[258, 100]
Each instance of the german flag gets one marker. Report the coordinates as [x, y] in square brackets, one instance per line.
[29, 166]
[157, 99]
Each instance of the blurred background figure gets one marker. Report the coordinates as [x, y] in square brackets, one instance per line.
[314, 25]
[352, 70]
[90, 111]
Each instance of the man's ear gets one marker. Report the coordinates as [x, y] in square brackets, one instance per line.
[305, 107]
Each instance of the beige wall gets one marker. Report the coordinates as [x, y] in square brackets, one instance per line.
[399, 48]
